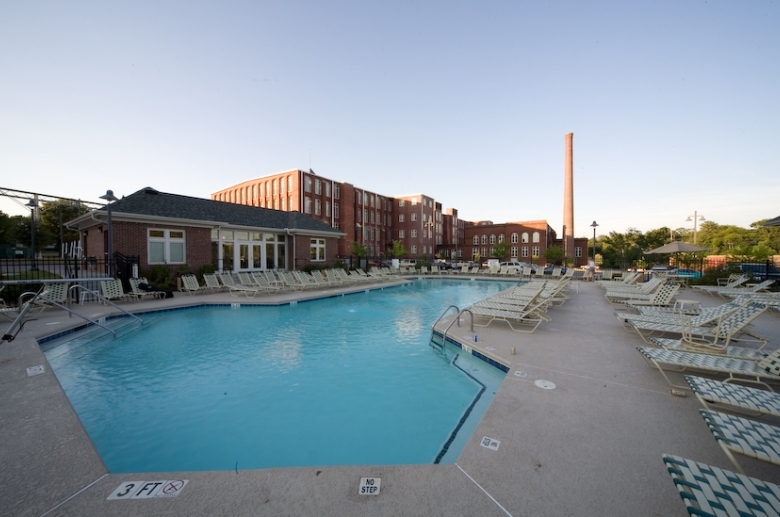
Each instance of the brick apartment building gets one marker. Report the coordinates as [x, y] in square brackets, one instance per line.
[375, 220]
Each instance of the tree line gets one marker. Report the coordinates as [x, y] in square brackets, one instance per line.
[754, 244]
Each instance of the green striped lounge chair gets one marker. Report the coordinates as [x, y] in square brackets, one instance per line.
[747, 437]
[742, 370]
[754, 401]
[709, 491]
[732, 326]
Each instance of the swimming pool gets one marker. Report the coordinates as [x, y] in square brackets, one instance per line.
[348, 380]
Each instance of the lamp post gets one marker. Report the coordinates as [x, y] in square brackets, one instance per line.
[696, 218]
[33, 204]
[109, 197]
[594, 225]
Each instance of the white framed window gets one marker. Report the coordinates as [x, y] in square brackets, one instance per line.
[414, 216]
[327, 189]
[289, 184]
[336, 191]
[500, 237]
[484, 239]
[307, 184]
[401, 218]
[536, 237]
[336, 210]
[401, 202]
[492, 240]
[317, 186]
[414, 249]
[525, 237]
[525, 251]
[514, 238]
[401, 234]
[317, 207]
[577, 251]
[317, 250]
[514, 251]
[535, 251]
[475, 239]
[306, 205]
[166, 246]
[414, 202]
[327, 207]
[414, 233]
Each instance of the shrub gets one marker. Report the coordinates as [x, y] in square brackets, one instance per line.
[160, 277]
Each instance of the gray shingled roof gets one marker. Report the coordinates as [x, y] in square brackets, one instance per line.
[150, 202]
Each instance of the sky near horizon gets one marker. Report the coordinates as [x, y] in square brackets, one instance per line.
[674, 105]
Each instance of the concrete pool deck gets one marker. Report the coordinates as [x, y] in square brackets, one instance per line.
[590, 446]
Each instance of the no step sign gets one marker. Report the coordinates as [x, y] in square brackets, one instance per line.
[369, 486]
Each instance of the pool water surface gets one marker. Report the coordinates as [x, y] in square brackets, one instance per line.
[349, 380]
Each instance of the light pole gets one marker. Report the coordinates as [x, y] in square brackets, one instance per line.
[109, 197]
[696, 218]
[33, 204]
[594, 225]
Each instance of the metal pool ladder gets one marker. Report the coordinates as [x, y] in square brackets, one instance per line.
[433, 342]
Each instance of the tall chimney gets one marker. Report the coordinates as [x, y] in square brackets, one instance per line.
[568, 198]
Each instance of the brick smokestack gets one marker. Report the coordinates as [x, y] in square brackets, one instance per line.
[568, 198]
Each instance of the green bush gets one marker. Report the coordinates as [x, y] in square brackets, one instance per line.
[160, 277]
[206, 270]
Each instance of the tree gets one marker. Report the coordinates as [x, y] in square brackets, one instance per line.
[397, 250]
[7, 230]
[553, 254]
[501, 251]
[54, 215]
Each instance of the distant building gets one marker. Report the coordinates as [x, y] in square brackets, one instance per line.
[375, 220]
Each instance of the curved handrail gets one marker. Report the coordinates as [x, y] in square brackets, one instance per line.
[456, 320]
[433, 327]
[99, 297]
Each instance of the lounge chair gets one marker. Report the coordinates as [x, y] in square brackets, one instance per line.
[139, 293]
[742, 370]
[730, 327]
[741, 435]
[236, 289]
[662, 297]
[710, 491]
[636, 292]
[190, 285]
[262, 281]
[744, 398]
[527, 314]
[732, 282]
[707, 316]
[738, 291]
[334, 277]
[212, 282]
[112, 290]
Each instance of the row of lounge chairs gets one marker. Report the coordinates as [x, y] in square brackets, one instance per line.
[522, 308]
[251, 284]
[704, 340]
[709, 490]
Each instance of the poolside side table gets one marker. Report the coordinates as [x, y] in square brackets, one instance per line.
[687, 306]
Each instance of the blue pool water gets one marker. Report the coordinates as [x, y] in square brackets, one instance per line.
[349, 380]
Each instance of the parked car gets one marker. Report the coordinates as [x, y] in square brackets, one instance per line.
[518, 266]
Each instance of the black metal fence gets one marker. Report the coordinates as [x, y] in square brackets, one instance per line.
[19, 275]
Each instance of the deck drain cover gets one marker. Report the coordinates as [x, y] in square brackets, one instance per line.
[545, 385]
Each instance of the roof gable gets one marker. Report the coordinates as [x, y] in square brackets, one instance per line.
[152, 203]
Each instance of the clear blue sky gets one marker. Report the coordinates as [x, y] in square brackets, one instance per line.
[674, 105]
